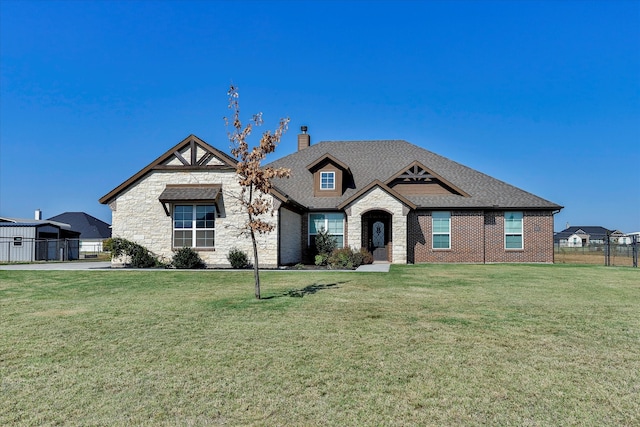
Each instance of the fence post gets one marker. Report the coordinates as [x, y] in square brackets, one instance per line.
[635, 250]
[607, 250]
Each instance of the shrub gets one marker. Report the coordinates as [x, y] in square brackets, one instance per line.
[321, 259]
[107, 245]
[341, 258]
[140, 257]
[348, 258]
[325, 245]
[367, 257]
[187, 258]
[238, 258]
[356, 258]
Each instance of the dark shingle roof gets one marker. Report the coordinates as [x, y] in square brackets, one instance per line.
[88, 226]
[591, 230]
[371, 160]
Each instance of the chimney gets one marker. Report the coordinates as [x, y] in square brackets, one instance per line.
[38, 215]
[304, 139]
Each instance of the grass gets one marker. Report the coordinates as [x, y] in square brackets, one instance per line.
[422, 345]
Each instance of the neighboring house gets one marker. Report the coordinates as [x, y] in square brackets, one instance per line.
[404, 203]
[582, 236]
[627, 239]
[36, 240]
[92, 230]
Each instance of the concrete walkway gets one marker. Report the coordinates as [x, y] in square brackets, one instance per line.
[376, 267]
[382, 267]
[84, 265]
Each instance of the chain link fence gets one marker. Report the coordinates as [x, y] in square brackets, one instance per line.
[607, 251]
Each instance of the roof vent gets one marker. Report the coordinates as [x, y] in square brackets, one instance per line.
[38, 215]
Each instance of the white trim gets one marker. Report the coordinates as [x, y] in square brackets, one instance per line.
[440, 233]
[194, 229]
[333, 180]
[521, 233]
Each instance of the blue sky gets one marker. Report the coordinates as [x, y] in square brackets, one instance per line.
[542, 95]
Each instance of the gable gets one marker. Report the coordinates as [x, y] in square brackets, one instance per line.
[373, 186]
[191, 154]
[417, 180]
[337, 172]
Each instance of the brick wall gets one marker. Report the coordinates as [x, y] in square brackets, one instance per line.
[478, 236]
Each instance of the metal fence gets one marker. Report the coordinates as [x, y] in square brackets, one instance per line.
[607, 251]
[29, 249]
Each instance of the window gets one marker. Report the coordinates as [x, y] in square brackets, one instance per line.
[332, 222]
[513, 230]
[194, 226]
[441, 230]
[327, 180]
[17, 241]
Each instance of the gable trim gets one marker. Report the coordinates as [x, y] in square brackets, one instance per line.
[383, 187]
[330, 158]
[431, 175]
[191, 141]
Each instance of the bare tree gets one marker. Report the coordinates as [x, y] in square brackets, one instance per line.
[254, 179]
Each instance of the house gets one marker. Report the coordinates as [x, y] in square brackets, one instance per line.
[404, 203]
[25, 240]
[583, 236]
[92, 230]
[630, 238]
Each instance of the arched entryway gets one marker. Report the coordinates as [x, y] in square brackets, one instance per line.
[376, 234]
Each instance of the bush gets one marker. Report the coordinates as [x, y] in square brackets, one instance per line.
[321, 259]
[341, 258]
[325, 245]
[107, 245]
[140, 257]
[187, 258]
[367, 257]
[238, 259]
[348, 258]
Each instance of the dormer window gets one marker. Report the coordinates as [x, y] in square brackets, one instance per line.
[327, 180]
[330, 176]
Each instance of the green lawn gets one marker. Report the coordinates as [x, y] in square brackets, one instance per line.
[521, 345]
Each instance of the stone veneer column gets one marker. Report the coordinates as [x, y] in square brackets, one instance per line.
[378, 199]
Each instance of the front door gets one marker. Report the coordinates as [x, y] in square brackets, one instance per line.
[379, 241]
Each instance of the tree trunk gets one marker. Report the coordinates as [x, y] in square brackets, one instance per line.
[256, 270]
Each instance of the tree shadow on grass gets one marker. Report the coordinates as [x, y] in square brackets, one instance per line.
[307, 290]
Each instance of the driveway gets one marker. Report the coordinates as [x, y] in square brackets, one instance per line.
[84, 265]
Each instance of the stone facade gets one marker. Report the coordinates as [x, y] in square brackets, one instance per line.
[137, 215]
[377, 199]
